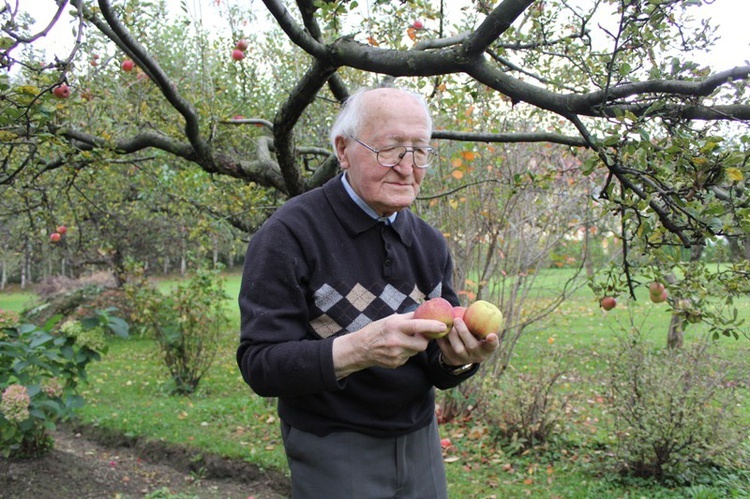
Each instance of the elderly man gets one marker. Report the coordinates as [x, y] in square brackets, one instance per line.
[327, 289]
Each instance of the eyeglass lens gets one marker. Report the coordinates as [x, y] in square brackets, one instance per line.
[391, 156]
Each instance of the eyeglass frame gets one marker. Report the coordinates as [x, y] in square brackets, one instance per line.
[407, 149]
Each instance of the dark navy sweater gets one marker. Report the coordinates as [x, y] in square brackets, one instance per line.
[321, 267]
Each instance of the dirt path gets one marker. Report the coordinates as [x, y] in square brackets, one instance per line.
[82, 467]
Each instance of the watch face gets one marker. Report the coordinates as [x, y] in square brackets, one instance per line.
[462, 369]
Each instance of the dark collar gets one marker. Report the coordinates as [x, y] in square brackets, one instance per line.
[356, 221]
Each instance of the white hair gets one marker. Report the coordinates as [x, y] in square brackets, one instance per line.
[352, 116]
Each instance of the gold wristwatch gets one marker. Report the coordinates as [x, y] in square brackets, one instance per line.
[455, 370]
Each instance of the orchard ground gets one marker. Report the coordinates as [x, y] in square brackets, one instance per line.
[137, 441]
[87, 463]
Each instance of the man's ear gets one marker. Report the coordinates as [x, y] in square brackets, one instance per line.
[341, 143]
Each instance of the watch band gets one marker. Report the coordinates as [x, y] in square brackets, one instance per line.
[455, 370]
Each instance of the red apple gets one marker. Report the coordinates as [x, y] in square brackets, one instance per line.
[238, 55]
[445, 443]
[238, 117]
[62, 230]
[608, 303]
[483, 318]
[656, 288]
[438, 309]
[127, 65]
[458, 312]
[54, 237]
[660, 297]
[242, 44]
[417, 24]
[62, 91]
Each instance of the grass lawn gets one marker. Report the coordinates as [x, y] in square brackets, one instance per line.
[126, 392]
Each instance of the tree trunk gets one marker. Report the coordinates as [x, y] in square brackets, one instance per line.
[739, 248]
[676, 333]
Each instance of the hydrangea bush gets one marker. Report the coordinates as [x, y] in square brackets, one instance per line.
[40, 369]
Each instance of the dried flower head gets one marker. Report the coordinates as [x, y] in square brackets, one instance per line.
[15, 403]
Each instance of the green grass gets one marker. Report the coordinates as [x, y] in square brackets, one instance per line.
[15, 300]
[127, 392]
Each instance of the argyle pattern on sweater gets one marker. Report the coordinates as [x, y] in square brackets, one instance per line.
[351, 309]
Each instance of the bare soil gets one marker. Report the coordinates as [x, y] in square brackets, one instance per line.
[89, 463]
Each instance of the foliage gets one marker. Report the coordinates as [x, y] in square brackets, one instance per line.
[615, 82]
[187, 323]
[699, 292]
[671, 408]
[40, 371]
[526, 409]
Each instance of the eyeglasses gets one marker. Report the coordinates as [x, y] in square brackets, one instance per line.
[390, 156]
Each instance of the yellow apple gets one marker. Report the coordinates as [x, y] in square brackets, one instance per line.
[483, 318]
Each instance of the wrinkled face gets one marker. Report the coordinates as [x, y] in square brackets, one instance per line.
[393, 118]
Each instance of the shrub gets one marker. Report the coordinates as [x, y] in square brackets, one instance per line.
[39, 375]
[526, 410]
[670, 407]
[187, 323]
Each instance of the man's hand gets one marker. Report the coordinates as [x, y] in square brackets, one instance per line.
[460, 347]
[388, 343]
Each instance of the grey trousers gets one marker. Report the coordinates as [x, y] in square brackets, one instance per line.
[349, 465]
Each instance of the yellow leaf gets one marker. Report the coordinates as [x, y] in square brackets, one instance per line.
[372, 41]
[453, 203]
[735, 174]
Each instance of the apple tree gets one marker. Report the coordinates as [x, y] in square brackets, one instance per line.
[663, 137]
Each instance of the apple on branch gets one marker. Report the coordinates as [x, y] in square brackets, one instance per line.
[62, 91]
[608, 303]
[438, 309]
[657, 292]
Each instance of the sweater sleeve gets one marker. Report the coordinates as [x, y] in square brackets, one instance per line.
[276, 356]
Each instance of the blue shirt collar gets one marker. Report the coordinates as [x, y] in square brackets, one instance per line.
[361, 203]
